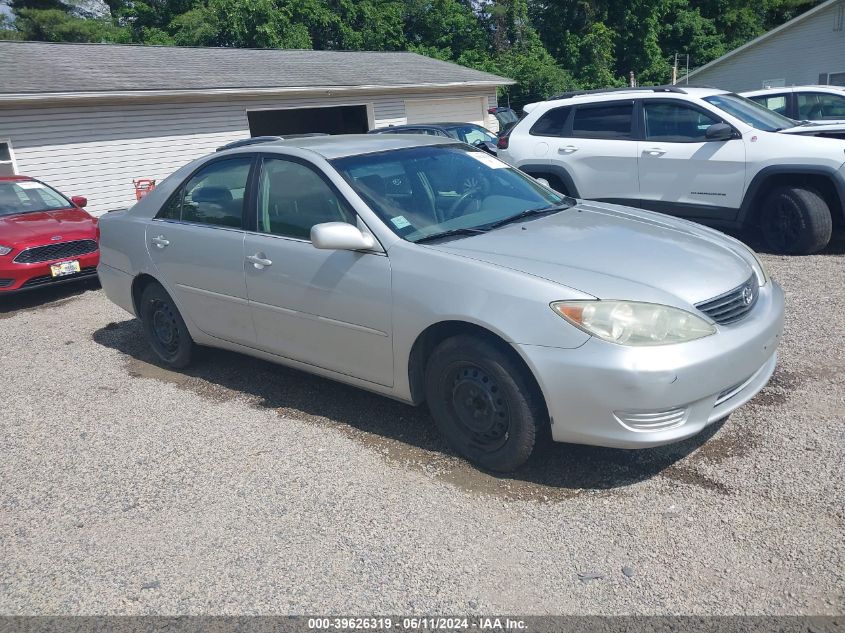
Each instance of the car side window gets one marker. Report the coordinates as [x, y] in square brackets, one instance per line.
[817, 106]
[552, 123]
[214, 195]
[775, 102]
[676, 123]
[293, 197]
[611, 121]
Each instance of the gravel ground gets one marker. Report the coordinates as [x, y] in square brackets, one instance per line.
[240, 487]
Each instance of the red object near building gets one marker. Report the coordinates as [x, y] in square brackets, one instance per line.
[143, 186]
[45, 238]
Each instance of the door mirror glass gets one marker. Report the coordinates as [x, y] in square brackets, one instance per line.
[340, 236]
[719, 132]
[79, 201]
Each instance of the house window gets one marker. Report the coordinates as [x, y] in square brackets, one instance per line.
[836, 79]
[7, 159]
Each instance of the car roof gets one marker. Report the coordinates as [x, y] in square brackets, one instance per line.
[655, 92]
[342, 145]
[814, 87]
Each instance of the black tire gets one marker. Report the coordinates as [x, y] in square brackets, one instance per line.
[795, 221]
[486, 406]
[164, 327]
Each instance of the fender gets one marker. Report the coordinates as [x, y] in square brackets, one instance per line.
[537, 171]
[835, 176]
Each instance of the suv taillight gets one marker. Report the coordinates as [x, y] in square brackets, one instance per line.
[503, 141]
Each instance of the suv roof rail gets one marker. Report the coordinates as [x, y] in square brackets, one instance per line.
[249, 141]
[578, 93]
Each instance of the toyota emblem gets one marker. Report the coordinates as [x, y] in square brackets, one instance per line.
[747, 295]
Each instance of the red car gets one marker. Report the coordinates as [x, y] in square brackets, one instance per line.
[45, 238]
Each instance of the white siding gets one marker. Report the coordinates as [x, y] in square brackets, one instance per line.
[97, 150]
[797, 55]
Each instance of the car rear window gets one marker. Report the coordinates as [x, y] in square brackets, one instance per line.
[552, 123]
[25, 196]
[611, 121]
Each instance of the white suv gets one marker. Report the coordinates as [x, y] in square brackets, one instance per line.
[700, 153]
[804, 103]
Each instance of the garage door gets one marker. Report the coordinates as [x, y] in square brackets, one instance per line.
[466, 110]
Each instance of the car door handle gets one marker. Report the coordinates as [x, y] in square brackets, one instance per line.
[259, 261]
[655, 151]
[567, 149]
[160, 241]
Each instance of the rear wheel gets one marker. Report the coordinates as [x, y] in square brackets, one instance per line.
[164, 327]
[795, 221]
[484, 402]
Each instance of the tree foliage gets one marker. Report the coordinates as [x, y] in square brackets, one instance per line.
[545, 45]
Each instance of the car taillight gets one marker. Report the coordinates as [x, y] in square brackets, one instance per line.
[503, 141]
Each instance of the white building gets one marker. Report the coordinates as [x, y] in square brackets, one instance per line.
[809, 49]
[91, 118]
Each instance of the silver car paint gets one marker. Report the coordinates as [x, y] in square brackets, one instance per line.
[355, 316]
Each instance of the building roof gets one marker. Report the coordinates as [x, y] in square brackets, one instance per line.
[38, 68]
[762, 38]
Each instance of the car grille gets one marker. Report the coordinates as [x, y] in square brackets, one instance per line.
[45, 280]
[733, 305]
[51, 252]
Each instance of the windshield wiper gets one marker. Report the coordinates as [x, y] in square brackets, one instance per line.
[552, 208]
[449, 233]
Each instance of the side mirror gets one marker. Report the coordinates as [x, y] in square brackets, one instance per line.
[79, 201]
[719, 132]
[340, 236]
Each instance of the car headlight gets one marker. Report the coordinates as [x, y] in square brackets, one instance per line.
[5, 250]
[634, 323]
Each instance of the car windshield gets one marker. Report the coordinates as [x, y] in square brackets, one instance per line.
[470, 133]
[423, 192]
[750, 112]
[25, 196]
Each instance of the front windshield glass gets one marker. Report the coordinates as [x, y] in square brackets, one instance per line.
[424, 191]
[750, 112]
[471, 134]
[25, 196]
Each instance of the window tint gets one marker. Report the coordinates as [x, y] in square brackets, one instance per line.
[815, 106]
[776, 102]
[607, 121]
[292, 198]
[552, 123]
[214, 195]
[676, 122]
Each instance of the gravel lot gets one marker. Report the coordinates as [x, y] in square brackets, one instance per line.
[240, 487]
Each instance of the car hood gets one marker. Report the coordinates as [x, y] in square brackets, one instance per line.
[43, 225]
[614, 252]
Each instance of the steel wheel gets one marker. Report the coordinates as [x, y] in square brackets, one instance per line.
[479, 406]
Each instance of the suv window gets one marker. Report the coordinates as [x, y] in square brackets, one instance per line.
[776, 102]
[552, 123]
[214, 195]
[817, 106]
[676, 122]
[611, 121]
[293, 197]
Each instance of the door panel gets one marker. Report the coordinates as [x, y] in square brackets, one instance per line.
[327, 308]
[196, 243]
[681, 172]
[600, 152]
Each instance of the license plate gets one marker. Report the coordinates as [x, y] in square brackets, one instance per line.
[65, 268]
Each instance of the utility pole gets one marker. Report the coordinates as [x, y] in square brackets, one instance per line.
[632, 80]
[675, 70]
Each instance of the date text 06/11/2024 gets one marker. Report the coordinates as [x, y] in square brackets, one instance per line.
[416, 623]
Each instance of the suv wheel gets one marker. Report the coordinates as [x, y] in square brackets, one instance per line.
[795, 221]
[484, 404]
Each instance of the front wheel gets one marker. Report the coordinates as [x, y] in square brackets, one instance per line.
[795, 221]
[484, 402]
[164, 327]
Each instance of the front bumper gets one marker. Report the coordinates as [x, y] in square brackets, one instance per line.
[636, 397]
[16, 277]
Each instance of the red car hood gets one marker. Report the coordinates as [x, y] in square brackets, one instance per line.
[42, 226]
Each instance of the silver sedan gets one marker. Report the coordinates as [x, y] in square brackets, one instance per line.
[429, 271]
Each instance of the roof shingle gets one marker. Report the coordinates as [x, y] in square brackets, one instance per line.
[41, 67]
